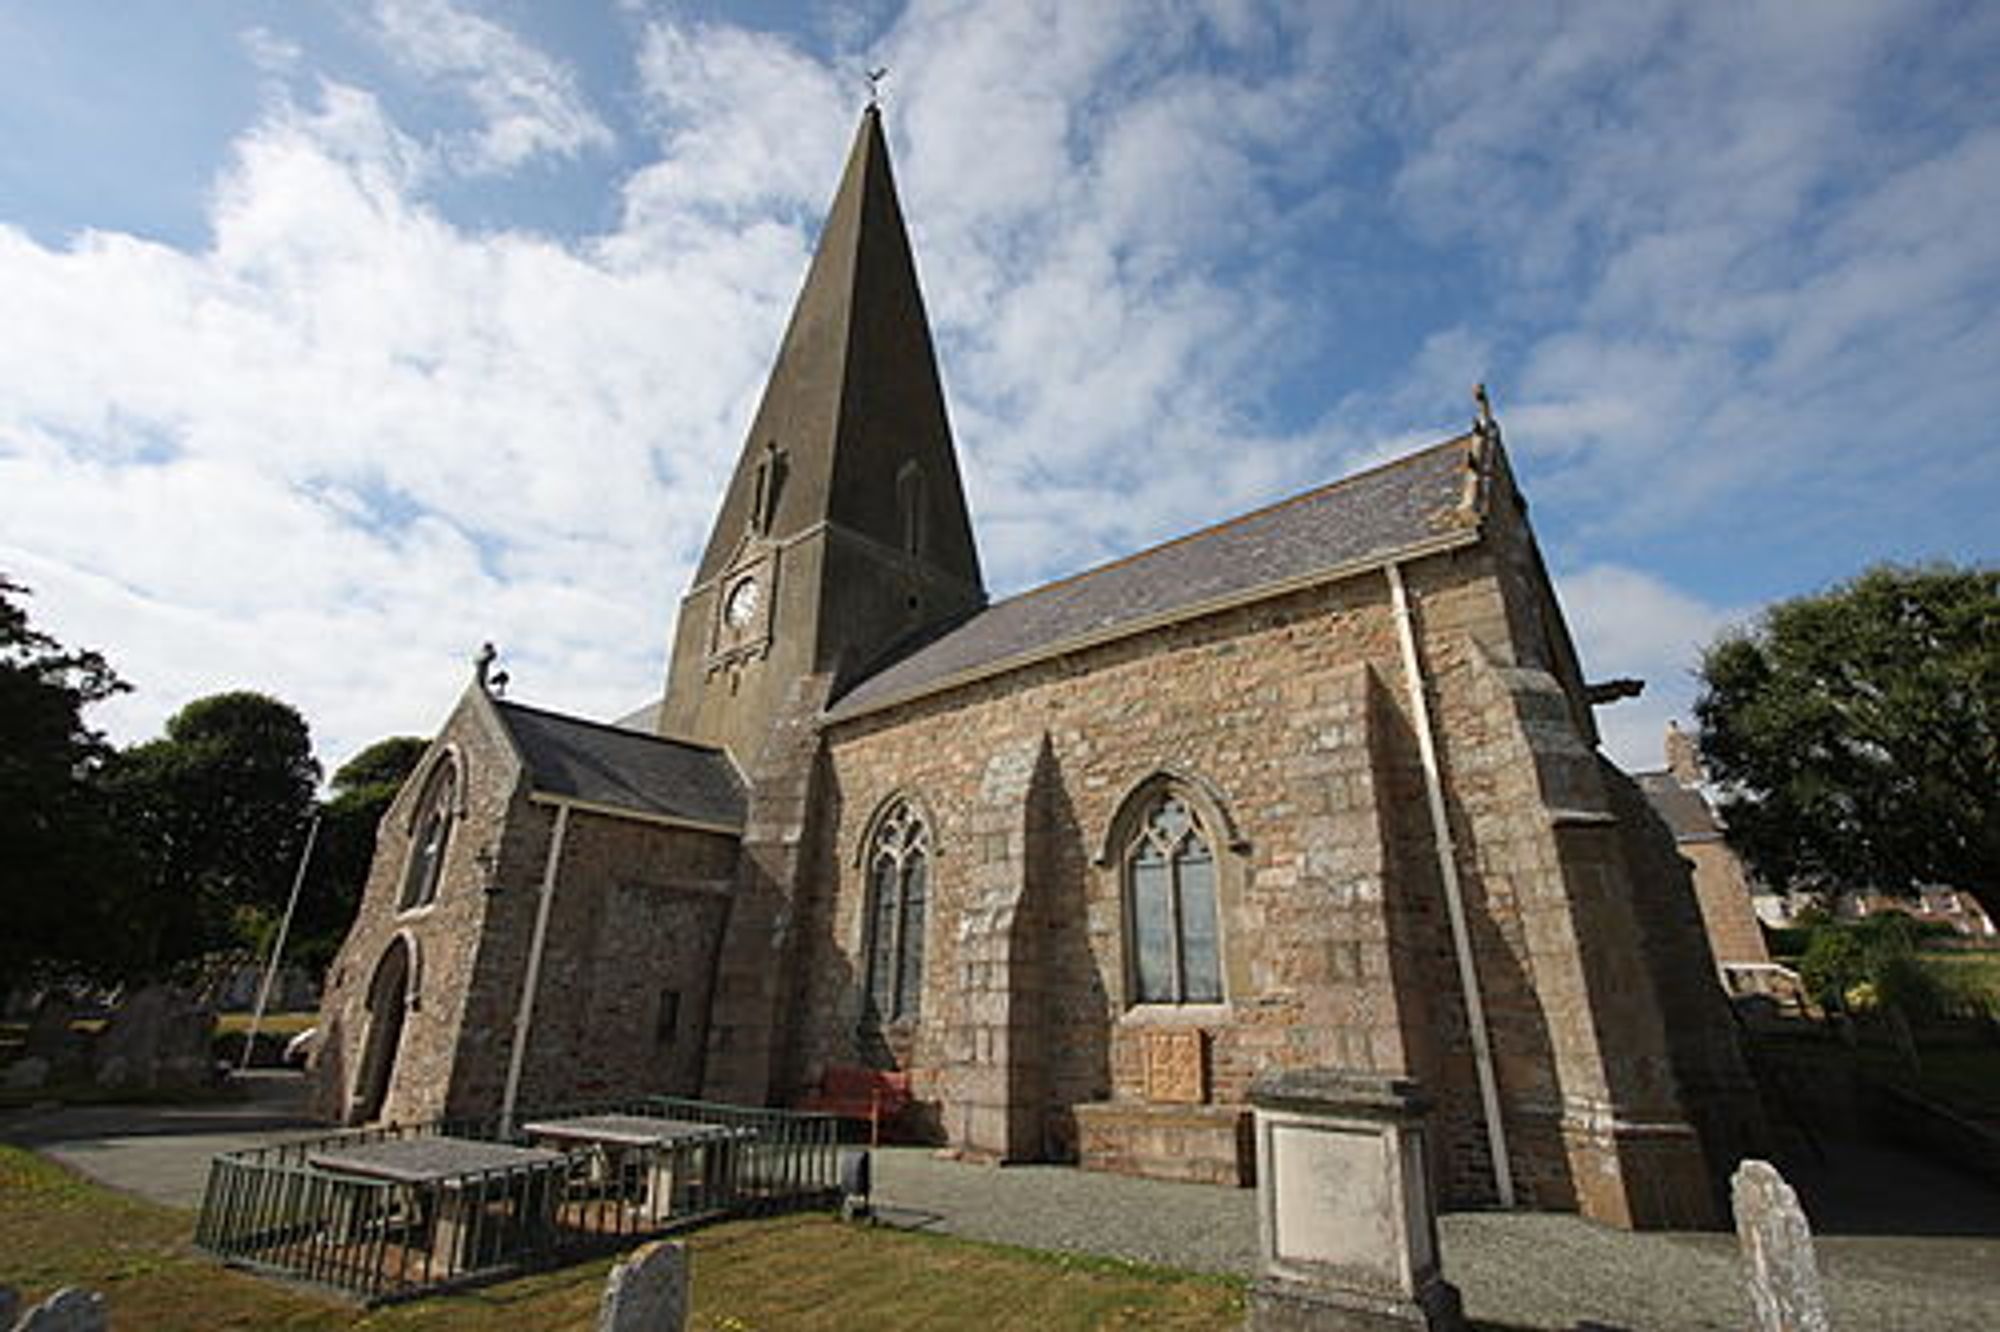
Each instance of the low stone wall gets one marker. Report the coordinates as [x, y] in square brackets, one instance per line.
[1201, 1144]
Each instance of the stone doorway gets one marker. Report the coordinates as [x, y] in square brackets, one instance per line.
[388, 1002]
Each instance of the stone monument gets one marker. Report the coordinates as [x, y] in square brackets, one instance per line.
[158, 1037]
[1777, 1250]
[647, 1292]
[1344, 1207]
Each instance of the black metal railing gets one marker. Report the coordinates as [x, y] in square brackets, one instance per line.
[273, 1209]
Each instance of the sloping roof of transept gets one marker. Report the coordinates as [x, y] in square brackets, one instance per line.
[615, 769]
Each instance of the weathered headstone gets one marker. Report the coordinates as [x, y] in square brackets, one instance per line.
[68, 1310]
[52, 1037]
[159, 1037]
[1778, 1250]
[25, 1075]
[647, 1292]
[1347, 1223]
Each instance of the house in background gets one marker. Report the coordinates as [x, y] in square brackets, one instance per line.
[1722, 884]
[1316, 786]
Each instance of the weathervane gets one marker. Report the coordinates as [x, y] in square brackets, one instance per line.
[875, 77]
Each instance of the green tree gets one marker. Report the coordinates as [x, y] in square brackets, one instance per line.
[384, 764]
[1854, 733]
[362, 790]
[60, 854]
[220, 806]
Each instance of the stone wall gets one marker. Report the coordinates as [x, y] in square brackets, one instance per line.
[1275, 720]
[1723, 890]
[621, 1007]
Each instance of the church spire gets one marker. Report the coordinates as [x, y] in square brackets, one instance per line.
[852, 428]
[843, 537]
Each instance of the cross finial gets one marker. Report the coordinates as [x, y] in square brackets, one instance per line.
[1485, 406]
[875, 77]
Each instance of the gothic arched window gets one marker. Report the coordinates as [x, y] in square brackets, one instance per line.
[429, 835]
[1169, 873]
[898, 885]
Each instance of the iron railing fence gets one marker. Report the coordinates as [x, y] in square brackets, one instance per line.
[274, 1210]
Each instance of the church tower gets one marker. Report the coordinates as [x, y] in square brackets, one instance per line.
[843, 537]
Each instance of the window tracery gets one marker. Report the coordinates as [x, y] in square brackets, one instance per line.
[898, 867]
[430, 835]
[1169, 876]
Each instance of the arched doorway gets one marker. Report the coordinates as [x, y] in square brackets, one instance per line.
[388, 1001]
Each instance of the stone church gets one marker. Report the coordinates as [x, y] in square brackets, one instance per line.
[1318, 785]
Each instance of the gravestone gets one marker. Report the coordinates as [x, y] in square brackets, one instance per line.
[1778, 1251]
[647, 1292]
[159, 1037]
[25, 1075]
[68, 1310]
[52, 1039]
[1347, 1225]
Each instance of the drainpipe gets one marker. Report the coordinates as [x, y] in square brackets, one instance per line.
[524, 1019]
[1454, 898]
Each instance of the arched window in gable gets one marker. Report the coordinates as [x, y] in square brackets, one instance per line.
[1169, 877]
[898, 867]
[430, 835]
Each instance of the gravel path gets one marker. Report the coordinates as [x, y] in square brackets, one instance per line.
[1520, 1270]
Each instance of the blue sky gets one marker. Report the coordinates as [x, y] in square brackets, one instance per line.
[341, 337]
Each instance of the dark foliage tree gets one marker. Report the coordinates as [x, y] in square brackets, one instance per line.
[1854, 732]
[60, 853]
[386, 763]
[362, 790]
[220, 806]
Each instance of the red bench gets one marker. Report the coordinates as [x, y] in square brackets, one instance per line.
[872, 1094]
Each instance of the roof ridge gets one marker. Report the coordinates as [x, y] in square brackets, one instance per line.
[612, 727]
[1300, 497]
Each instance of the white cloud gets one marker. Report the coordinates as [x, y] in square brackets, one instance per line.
[1631, 623]
[1726, 269]
[332, 453]
[529, 102]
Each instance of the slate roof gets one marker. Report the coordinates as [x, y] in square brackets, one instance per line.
[627, 770]
[1410, 502]
[1684, 810]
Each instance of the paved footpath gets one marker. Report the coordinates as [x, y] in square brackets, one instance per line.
[162, 1151]
[1901, 1243]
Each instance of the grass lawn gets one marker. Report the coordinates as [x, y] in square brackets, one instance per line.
[287, 1025]
[806, 1271]
[1977, 972]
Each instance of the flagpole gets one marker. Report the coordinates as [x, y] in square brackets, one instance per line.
[278, 945]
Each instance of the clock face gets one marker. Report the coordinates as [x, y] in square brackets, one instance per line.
[742, 605]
